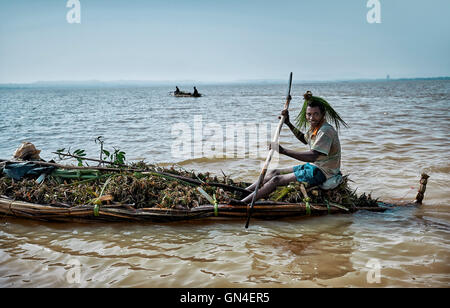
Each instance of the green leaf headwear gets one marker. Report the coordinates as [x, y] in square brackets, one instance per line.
[330, 114]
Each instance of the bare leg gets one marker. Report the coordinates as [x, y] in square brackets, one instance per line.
[270, 174]
[271, 185]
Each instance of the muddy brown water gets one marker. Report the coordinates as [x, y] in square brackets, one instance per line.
[398, 129]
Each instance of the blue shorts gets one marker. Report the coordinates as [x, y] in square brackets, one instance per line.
[309, 174]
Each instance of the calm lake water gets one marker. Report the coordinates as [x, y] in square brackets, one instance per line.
[398, 129]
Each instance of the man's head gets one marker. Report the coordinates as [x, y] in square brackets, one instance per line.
[315, 112]
[321, 108]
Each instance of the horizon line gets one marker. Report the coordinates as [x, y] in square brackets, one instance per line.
[167, 82]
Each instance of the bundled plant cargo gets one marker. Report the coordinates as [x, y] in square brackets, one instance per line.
[139, 189]
[141, 192]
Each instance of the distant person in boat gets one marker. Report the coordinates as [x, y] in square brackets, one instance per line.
[195, 92]
[323, 160]
[177, 91]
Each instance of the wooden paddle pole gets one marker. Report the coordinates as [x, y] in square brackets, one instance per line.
[275, 140]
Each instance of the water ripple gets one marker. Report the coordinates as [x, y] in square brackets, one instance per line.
[392, 138]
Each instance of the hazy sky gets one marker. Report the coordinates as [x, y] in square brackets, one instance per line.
[222, 40]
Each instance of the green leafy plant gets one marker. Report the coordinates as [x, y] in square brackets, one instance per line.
[77, 154]
[81, 153]
[117, 157]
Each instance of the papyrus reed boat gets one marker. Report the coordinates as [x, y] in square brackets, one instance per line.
[117, 188]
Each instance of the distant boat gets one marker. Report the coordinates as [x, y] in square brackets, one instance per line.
[179, 93]
[186, 94]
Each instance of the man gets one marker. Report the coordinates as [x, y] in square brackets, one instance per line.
[196, 94]
[323, 160]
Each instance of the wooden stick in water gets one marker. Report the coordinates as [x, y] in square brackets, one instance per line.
[422, 188]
